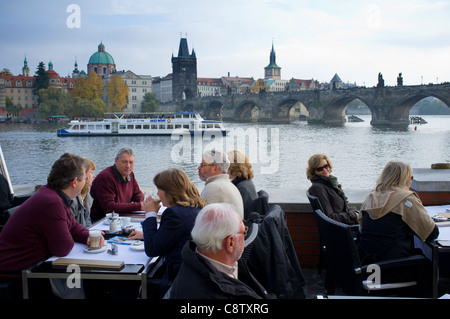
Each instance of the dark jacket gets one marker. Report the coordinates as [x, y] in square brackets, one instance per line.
[333, 200]
[271, 256]
[198, 279]
[248, 192]
[168, 240]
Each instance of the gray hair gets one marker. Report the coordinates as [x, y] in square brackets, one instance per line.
[126, 150]
[214, 223]
[218, 158]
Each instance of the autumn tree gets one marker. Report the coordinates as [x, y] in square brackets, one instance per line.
[117, 93]
[89, 88]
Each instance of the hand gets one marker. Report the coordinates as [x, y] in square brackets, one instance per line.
[150, 206]
[137, 234]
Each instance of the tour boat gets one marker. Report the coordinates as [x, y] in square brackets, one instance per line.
[133, 124]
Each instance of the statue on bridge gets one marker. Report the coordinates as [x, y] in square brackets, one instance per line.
[380, 80]
[400, 79]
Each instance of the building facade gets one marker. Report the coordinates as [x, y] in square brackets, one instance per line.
[138, 86]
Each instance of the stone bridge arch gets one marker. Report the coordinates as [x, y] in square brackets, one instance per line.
[213, 110]
[334, 112]
[247, 111]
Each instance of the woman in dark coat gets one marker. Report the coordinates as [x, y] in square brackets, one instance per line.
[328, 190]
[241, 175]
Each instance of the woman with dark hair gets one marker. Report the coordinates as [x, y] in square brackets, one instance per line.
[183, 202]
[326, 187]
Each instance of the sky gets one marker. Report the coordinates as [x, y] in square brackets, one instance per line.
[312, 39]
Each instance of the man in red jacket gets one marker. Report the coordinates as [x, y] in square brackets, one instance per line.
[115, 189]
[43, 225]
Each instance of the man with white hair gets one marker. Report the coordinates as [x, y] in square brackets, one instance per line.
[213, 170]
[211, 267]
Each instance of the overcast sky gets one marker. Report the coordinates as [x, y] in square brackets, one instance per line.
[312, 39]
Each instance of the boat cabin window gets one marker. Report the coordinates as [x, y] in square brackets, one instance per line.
[170, 127]
[76, 127]
[162, 127]
[91, 127]
[146, 126]
[82, 127]
[209, 126]
[130, 126]
[186, 126]
[202, 126]
[177, 126]
[154, 127]
[107, 127]
[138, 127]
[122, 126]
[98, 127]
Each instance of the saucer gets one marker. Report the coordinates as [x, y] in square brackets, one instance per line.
[138, 246]
[95, 250]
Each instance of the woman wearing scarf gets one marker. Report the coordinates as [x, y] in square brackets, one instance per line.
[328, 190]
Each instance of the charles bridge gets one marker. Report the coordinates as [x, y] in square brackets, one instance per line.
[389, 105]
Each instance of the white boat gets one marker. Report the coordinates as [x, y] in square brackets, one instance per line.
[134, 124]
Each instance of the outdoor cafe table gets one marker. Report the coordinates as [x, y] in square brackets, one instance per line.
[135, 268]
[434, 249]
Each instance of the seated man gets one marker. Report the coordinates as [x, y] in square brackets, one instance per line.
[43, 225]
[218, 188]
[115, 189]
[211, 267]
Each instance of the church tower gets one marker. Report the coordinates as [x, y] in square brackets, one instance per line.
[272, 71]
[25, 69]
[184, 73]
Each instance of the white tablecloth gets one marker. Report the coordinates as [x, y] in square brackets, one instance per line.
[125, 252]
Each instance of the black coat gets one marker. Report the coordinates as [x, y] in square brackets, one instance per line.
[271, 256]
[248, 192]
[198, 279]
[333, 204]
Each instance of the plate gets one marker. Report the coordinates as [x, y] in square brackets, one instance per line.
[138, 246]
[96, 250]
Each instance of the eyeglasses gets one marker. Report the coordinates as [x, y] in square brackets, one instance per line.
[245, 232]
[203, 165]
[326, 166]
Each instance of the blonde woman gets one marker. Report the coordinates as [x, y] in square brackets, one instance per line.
[391, 215]
[241, 175]
[183, 202]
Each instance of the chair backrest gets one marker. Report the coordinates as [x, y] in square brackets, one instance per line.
[314, 201]
[342, 259]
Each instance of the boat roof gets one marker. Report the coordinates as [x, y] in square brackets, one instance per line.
[149, 114]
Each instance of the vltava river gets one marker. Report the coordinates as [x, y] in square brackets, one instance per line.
[279, 152]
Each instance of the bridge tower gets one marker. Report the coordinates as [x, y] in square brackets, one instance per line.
[272, 71]
[184, 73]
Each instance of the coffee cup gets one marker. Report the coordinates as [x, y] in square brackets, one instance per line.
[125, 221]
[95, 238]
[155, 197]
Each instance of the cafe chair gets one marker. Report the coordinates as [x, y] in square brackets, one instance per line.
[270, 255]
[344, 270]
[315, 205]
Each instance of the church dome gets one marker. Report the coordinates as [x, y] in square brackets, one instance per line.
[101, 56]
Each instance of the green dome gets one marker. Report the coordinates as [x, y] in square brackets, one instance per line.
[101, 56]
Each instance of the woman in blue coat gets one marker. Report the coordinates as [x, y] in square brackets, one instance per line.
[183, 202]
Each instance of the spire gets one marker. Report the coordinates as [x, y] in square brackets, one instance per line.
[25, 69]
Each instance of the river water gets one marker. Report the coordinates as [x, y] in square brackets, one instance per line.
[279, 152]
